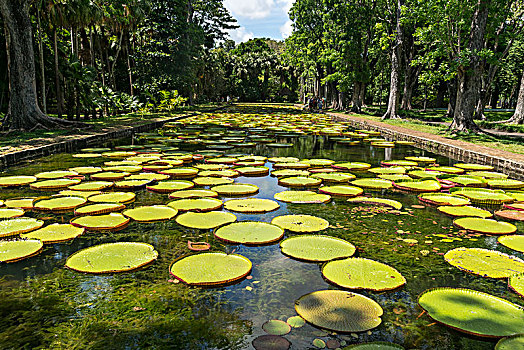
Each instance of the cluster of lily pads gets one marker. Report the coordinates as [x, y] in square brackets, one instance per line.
[197, 184]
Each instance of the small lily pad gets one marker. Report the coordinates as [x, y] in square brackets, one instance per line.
[271, 342]
[276, 327]
[296, 321]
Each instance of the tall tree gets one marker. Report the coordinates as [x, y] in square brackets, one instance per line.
[23, 112]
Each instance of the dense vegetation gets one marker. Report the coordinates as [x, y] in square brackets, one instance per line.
[101, 57]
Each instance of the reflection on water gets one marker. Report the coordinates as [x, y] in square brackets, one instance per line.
[145, 309]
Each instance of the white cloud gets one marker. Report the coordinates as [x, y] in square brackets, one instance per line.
[252, 9]
[240, 35]
[286, 29]
[286, 5]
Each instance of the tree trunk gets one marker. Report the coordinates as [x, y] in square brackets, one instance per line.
[394, 89]
[518, 116]
[441, 91]
[23, 112]
[468, 77]
[59, 104]
[42, 62]
[356, 99]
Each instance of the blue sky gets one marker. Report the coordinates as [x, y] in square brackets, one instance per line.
[260, 18]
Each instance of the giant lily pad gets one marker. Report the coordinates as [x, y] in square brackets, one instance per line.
[99, 208]
[484, 262]
[131, 184]
[86, 170]
[205, 221]
[289, 172]
[13, 181]
[399, 162]
[113, 197]
[418, 186]
[511, 343]
[359, 273]
[301, 223]
[55, 233]
[249, 232]
[464, 211]
[388, 170]
[219, 173]
[235, 189]
[109, 222]
[22, 203]
[447, 169]
[485, 226]
[421, 159]
[302, 197]
[147, 176]
[488, 174]
[483, 196]
[339, 311]
[92, 186]
[476, 167]
[11, 251]
[151, 213]
[516, 283]
[9, 213]
[211, 269]
[47, 175]
[473, 312]
[109, 176]
[196, 204]
[253, 170]
[16, 226]
[317, 248]
[54, 184]
[299, 181]
[342, 190]
[517, 215]
[212, 181]
[251, 205]
[515, 242]
[467, 180]
[59, 204]
[192, 194]
[377, 201]
[505, 183]
[112, 257]
[180, 173]
[374, 184]
[356, 166]
[334, 177]
[443, 199]
[171, 186]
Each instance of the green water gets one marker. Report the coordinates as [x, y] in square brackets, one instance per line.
[44, 305]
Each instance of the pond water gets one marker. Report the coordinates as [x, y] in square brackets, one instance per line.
[45, 305]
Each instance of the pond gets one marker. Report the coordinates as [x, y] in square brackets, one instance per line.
[45, 305]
